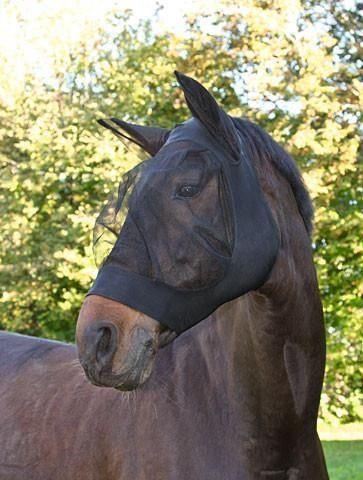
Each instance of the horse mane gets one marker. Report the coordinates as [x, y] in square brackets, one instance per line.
[262, 145]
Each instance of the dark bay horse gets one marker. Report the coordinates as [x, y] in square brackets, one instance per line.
[235, 397]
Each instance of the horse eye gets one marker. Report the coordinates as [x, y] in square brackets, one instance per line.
[187, 191]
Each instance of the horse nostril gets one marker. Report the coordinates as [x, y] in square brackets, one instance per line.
[105, 344]
[104, 341]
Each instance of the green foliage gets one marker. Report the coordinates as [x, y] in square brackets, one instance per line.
[291, 66]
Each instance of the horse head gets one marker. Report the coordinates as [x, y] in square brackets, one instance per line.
[189, 230]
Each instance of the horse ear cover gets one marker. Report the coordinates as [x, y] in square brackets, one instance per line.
[150, 139]
[204, 107]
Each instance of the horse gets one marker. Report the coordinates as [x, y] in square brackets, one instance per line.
[200, 346]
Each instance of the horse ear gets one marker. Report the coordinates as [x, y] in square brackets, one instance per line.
[204, 107]
[150, 139]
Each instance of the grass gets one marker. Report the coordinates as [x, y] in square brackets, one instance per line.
[344, 459]
[343, 448]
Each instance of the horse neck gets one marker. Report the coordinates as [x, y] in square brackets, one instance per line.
[273, 341]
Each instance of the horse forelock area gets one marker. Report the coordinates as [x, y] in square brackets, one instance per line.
[262, 148]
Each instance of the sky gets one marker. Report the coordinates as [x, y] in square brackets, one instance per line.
[94, 10]
[27, 44]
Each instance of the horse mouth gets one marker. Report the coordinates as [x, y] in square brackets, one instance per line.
[125, 380]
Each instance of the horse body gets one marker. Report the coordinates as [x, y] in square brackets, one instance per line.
[55, 425]
[47, 411]
[211, 410]
[235, 397]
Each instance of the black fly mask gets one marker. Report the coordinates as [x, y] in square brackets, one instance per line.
[189, 229]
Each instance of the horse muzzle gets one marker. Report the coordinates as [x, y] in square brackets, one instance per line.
[111, 361]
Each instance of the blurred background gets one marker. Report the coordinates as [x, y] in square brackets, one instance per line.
[291, 66]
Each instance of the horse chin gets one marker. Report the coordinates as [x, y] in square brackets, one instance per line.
[130, 385]
[135, 379]
[124, 381]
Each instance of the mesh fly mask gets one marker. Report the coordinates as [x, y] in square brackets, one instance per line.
[189, 228]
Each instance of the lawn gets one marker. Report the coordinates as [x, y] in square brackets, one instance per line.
[343, 447]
